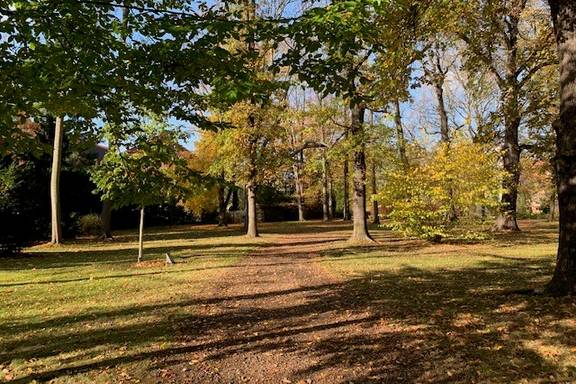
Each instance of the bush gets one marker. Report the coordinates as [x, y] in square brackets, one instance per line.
[15, 228]
[90, 225]
[447, 184]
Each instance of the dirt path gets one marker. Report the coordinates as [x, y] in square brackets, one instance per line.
[273, 319]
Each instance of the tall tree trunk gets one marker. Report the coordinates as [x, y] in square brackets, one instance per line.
[552, 210]
[245, 209]
[55, 182]
[511, 111]
[106, 219]
[360, 223]
[252, 214]
[141, 236]
[330, 194]
[252, 229]
[222, 204]
[235, 206]
[325, 213]
[346, 187]
[506, 220]
[444, 129]
[299, 186]
[564, 19]
[400, 139]
[445, 138]
[375, 213]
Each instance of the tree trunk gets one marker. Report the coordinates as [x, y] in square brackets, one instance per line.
[330, 195]
[564, 19]
[235, 200]
[299, 186]
[252, 229]
[552, 210]
[345, 181]
[141, 236]
[375, 213]
[325, 213]
[400, 140]
[360, 224]
[245, 209]
[444, 129]
[506, 220]
[222, 222]
[55, 182]
[106, 219]
[511, 111]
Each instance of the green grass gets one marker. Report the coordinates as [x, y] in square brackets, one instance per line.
[88, 300]
[454, 310]
[86, 313]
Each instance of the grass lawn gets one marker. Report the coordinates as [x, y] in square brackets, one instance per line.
[88, 300]
[450, 306]
[443, 312]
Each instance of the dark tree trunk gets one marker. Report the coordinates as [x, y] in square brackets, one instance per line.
[511, 111]
[223, 200]
[564, 19]
[245, 209]
[506, 220]
[235, 200]
[444, 129]
[221, 209]
[436, 74]
[106, 219]
[360, 223]
[346, 187]
[400, 140]
[375, 213]
[552, 211]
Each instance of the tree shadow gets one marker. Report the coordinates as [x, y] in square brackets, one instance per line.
[410, 325]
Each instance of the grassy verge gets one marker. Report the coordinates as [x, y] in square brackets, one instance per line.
[76, 305]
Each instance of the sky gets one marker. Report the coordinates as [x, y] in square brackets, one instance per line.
[419, 114]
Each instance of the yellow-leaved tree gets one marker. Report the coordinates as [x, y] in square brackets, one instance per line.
[459, 178]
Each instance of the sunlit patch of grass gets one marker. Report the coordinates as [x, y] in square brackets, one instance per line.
[85, 302]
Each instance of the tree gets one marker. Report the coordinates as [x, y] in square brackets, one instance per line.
[435, 70]
[511, 39]
[564, 19]
[211, 191]
[107, 61]
[65, 68]
[250, 151]
[335, 50]
[421, 198]
[141, 168]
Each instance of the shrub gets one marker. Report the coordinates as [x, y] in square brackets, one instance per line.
[15, 229]
[446, 185]
[90, 225]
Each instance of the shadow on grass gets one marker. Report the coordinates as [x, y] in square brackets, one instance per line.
[65, 258]
[209, 231]
[411, 325]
